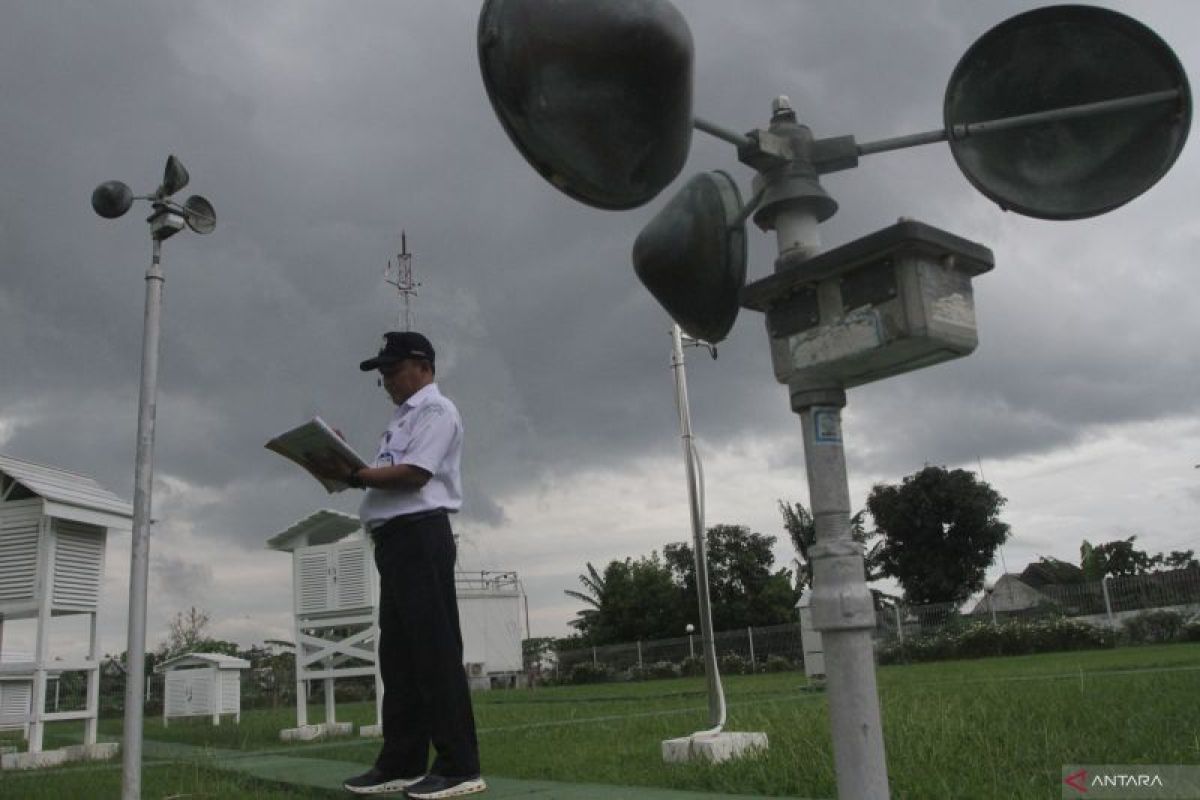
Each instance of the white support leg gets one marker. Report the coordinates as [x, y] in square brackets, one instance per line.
[216, 699]
[301, 684]
[37, 700]
[93, 685]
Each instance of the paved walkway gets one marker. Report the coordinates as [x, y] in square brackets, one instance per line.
[328, 774]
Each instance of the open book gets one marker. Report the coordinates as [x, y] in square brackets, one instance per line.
[315, 442]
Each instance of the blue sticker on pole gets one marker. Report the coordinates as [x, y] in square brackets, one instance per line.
[827, 426]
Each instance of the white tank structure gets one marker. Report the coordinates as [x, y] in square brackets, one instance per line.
[335, 625]
[490, 610]
[54, 526]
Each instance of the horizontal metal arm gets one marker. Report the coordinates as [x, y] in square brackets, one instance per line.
[966, 129]
[721, 133]
[900, 142]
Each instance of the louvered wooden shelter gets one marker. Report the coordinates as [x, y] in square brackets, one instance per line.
[53, 528]
[202, 685]
[333, 598]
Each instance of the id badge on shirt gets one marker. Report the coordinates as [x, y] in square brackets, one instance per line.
[385, 458]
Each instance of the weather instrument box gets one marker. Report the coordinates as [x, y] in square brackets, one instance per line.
[897, 300]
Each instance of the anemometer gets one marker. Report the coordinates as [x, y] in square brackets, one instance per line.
[1060, 113]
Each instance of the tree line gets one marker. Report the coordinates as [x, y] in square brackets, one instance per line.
[654, 597]
[935, 533]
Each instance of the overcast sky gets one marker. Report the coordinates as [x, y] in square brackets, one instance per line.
[321, 130]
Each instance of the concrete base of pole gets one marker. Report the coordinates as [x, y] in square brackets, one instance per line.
[713, 748]
[63, 755]
[307, 733]
[371, 730]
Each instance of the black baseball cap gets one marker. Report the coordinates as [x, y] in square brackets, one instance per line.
[397, 346]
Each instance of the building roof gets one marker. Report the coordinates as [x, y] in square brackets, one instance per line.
[202, 660]
[1010, 592]
[63, 487]
[1051, 571]
[323, 527]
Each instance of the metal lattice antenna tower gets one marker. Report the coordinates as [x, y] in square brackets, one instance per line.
[402, 279]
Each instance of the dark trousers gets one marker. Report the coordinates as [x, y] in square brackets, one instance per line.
[425, 695]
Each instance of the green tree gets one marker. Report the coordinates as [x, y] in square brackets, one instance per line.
[1121, 557]
[537, 652]
[188, 633]
[1179, 559]
[802, 530]
[221, 646]
[279, 663]
[587, 620]
[743, 590]
[631, 600]
[184, 633]
[940, 530]
[1050, 570]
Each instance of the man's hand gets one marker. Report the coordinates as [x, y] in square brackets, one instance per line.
[330, 467]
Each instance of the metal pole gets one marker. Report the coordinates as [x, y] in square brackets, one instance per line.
[716, 695]
[992, 606]
[899, 625]
[750, 636]
[1112, 623]
[842, 608]
[139, 558]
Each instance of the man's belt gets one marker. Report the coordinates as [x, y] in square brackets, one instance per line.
[404, 520]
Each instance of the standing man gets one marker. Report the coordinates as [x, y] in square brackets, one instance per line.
[412, 488]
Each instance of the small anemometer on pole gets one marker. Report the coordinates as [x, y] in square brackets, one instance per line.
[1059, 113]
[111, 200]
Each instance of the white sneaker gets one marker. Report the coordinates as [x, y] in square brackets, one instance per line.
[375, 781]
[435, 787]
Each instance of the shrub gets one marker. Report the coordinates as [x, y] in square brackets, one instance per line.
[656, 671]
[980, 640]
[663, 669]
[1191, 631]
[732, 664]
[586, 672]
[779, 664]
[1155, 627]
[691, 666]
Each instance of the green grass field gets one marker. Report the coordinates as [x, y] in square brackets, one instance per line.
[999, 728]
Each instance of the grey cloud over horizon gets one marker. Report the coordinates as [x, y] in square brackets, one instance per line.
[319, 131]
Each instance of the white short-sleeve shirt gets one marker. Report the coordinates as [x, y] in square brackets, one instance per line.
[425, 431]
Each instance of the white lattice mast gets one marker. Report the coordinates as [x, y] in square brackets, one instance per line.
[401, 277]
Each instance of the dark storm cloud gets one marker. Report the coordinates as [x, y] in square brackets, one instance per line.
[185, 583]
[320, 130]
